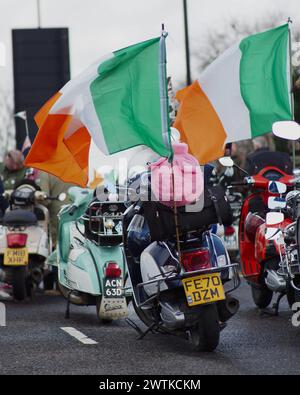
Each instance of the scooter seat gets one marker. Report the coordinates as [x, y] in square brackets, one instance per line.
[19, 217]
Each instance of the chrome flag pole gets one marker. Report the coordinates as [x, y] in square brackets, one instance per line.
[163, 84]
[164, 105]
[289, 21]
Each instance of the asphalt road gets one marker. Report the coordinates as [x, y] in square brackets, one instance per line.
[34, 343]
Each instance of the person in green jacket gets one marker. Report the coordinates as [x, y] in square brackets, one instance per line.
[12, 169]
[53, 186]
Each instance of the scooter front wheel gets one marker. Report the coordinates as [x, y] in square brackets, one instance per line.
[205, 335]
[292, 294]
[262, 296]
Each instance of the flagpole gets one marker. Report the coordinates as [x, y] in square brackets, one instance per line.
[164, 106]
[289, 21]
[164, 102]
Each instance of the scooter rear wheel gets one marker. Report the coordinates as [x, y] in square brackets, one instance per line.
[292, 294]
[19, 283]
[205, 335]
[262, 296]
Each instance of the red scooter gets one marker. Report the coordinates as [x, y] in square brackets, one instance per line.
[260, 256]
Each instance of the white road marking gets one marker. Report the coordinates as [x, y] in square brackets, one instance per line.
[78, 335]
[2, 314]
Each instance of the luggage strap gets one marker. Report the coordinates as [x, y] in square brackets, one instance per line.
[216, 205]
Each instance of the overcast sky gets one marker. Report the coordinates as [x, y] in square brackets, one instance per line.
[97, 27]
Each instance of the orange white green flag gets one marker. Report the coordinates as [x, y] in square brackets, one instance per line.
[239, 96]
[117, 102]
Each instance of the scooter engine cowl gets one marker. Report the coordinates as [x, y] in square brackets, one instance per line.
[155, 263]
[274, 281]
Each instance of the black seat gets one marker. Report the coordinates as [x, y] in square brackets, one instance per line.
[39, 213]
[19, 217]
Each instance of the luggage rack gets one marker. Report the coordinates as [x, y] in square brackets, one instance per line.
[103, 222]
[175, 276]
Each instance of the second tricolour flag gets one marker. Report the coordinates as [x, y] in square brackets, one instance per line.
[239, 96]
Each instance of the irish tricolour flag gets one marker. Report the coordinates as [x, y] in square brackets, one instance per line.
[116, 102]
[238, 96]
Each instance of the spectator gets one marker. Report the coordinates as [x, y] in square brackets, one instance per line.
[12, 170]
[53, 186]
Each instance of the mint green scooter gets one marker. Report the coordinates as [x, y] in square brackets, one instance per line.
[89, 256]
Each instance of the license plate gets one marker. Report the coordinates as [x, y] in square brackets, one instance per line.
[113, 288]
[16, 257]
[206, 288]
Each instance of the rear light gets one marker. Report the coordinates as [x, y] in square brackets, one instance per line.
[16, 240]
[196, 260]
[229, 230]
[113, 270]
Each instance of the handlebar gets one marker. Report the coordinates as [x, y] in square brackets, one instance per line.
[238, 183]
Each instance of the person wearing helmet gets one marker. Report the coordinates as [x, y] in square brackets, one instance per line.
[12, 169]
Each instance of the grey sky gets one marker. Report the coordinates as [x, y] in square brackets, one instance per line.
[101, 26]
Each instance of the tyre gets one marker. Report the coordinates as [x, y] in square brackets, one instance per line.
[19, 283]
[292, 294]
[234, 256]
[262, 296]
[205, 335]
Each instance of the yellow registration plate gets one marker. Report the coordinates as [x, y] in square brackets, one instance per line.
[206, 288]
[16, 257]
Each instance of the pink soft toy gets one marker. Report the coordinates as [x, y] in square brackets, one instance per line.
[188, 178]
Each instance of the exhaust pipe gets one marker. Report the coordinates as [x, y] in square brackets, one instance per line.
[74, 297]
[228, 308]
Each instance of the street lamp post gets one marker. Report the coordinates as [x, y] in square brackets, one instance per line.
[38, 5]
[187, 45]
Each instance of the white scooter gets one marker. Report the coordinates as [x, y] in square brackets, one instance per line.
[25, 239]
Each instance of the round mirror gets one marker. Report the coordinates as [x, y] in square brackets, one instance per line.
[276, 203]
[272, 233]
[226, 161]
[288, 130]
[62, 197]
[277, 187]
[274, 218]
